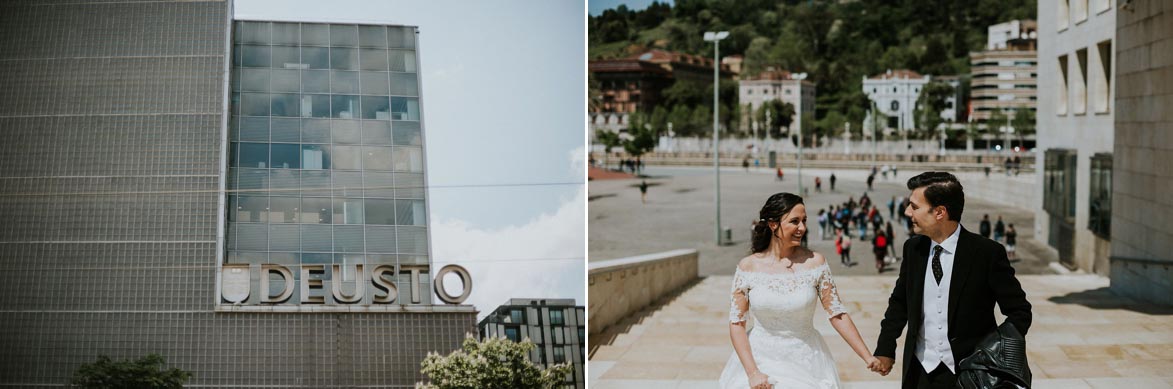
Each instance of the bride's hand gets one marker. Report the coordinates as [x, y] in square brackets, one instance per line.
[759, 380]
[873, 363]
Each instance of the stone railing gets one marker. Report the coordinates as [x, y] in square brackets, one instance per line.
[620, 287]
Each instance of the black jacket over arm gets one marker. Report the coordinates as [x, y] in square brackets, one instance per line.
[981, 277]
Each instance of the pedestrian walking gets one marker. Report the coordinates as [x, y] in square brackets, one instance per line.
[1011, 241]
[871, 178]
[891, 237]
[832, 182]
[745, 164]
[984, 227]
[779, 174]
[999, 229]
[822, 225]
[892, 207]
[843, 246]
[818, 184]
[643, 191]
[880, 248]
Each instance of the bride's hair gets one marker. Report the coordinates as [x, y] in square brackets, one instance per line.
[776, 206]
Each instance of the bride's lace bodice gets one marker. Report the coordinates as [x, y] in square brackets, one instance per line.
[784, 343]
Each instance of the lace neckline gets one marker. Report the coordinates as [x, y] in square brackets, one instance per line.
[791, 273]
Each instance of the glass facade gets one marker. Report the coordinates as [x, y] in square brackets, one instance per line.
[326, 162]
[556, 326]
[112, 119]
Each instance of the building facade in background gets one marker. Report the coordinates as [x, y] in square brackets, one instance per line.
[1140, 180]
[556, 326]
[162, 169]
[1004, 77]
[770, 85]
[1075, 121]
[893, 94]
[635, 84]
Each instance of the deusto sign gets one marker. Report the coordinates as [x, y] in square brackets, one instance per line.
[374, 284]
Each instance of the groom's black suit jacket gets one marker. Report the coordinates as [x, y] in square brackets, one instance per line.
[981, 276]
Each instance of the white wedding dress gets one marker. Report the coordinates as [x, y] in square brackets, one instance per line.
[783, 340]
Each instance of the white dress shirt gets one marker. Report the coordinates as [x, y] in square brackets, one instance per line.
[932, 346]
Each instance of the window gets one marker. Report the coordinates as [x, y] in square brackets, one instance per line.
[401, 60]
[559, 354]
[376, 107]
[254, 155]
[315, 34]
[406, 133]
[344, 107]
[315, 157]
[286, 156]
[1101, 88]
[1061, 102]
[315, 57]
[1100, 196]
[315, 106]
[283, 209]
[1103, 5]
[342, 35]
[343, 82]
[316, 210]
[403, 108]
[345, 158]
[556, 317]
[1079, 85]
[409, 213]
[515, 316]
[255, 56]
[512, 334]
[380, 211]
[1079, 10]
[1059, 191]
[376, 158]
[408, 159]
[372, 36]
[1062, 15]
[348, 211]
[286, 57]
[253, 209]
[404, 84]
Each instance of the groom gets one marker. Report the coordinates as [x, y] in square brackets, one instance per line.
[948, 284]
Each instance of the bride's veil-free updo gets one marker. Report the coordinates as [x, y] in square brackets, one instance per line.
[776, 206]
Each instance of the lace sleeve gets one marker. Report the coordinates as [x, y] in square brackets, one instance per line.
[738, 298]
[829, 294]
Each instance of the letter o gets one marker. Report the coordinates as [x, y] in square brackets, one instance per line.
[465, 278]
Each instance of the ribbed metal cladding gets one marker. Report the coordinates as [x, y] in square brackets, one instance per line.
[110, 163]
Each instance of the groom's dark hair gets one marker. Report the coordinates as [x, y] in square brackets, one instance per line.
[941, 189]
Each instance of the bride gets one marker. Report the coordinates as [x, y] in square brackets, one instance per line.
[780, 284]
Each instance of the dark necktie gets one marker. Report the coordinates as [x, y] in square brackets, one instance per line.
[937, 271]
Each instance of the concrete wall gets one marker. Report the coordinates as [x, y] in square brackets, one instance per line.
[620, 287]
[1142, 210]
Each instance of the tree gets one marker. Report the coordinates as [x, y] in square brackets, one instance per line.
[610, 140]
[145, 372]
[495, 363]
[1024, 123]
[781, 115]
[641, 136]
[929, 104]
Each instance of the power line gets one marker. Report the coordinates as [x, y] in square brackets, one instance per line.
[202, 267]
[294, 190]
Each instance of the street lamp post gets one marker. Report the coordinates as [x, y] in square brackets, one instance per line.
[716, 38]
[800, 77]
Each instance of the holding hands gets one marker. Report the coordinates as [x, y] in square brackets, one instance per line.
[881, 365]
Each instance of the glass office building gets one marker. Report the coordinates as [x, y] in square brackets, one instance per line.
[556, 326]
[147, 146]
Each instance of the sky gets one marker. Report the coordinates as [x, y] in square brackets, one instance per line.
[596, 7]
[503, 91]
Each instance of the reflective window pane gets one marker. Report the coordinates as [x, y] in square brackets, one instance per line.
[317, 106]
[286, 130]
[409, 212]
[407, 133]
[286, 156]
[315, 157]
[409, 159]
[376, 132]
[254, 129]
[345, 158]
[373, 83]
[316, 210]
[254, 104]
[402, 60]
[251, 208]
[254, 80]
[315, 57]
[285, 34]
[257, 32]
[380, 211]
[254, 155]
[343, 35]
[404, 84]
[315, 81]
[283, 80]
[283, 209]
[315, 130]
[372, 36]
[286, 57]
[254, 56]
[345, 131]
[344, 107]
[286, 105]
[343, 82]
[348, 211]
[403, 108]
[375, 107]
[342, 58]
[373, 59]
[376, 158]
[315, 34]
[401, 37]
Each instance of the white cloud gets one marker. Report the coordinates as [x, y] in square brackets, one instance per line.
[544, 258]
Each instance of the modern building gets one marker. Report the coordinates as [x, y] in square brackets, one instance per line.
[634, 84]
[1075, 121]
[1139, 181]
[770, 85]
[1004, 76]
[244, 198]
[556, 326]
[894, 94]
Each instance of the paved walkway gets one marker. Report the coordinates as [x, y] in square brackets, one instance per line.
[1082, 337]
[680, 214]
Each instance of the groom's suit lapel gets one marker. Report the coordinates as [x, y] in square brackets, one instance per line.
[963, 260]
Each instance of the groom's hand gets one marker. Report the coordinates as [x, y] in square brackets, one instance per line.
[883, 365]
